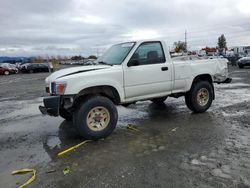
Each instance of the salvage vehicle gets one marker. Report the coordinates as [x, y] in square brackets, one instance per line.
[6, 70]
[126, 73]
[32, 68]
[244, 61]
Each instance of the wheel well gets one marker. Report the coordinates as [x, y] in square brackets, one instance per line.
[107, 91]
[204, 77]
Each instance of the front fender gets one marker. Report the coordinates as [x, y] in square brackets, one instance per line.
[73, 89]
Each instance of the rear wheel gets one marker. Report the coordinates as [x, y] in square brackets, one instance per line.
[96, 118]
[200, 97]
[6, 72]
[159, 100]
[31, 71]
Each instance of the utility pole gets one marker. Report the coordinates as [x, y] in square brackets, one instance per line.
[186, 40]
[97, 52]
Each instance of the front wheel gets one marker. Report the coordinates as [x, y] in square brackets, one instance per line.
[6, 72]
[96, 118]
[200, 97]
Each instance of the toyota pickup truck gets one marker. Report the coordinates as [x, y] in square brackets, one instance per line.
[126, 73]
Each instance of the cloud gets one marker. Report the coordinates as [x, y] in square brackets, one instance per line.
[68, 27]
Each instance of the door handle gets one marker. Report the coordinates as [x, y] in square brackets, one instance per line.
[164, 68]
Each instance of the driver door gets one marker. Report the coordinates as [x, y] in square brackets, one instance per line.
[147, 73]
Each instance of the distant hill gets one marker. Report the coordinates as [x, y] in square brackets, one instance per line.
[13, 59]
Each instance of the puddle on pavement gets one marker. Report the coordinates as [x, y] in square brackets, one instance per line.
[11, 110]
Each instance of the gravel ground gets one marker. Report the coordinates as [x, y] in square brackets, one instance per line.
[174, 148]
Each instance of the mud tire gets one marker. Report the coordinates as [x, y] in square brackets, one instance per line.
[80, 117]
[191, 97]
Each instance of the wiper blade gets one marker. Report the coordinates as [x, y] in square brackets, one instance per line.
[103, 63]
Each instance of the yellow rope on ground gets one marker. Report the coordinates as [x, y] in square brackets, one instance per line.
[132, 127]
[73, 147]
[26, 170]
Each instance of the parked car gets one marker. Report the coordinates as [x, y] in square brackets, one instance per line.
[7, 70]
[31, 68]
[10, 66]
[88, 62]
[244, 61]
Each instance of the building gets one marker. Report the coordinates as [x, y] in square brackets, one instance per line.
[241, 49]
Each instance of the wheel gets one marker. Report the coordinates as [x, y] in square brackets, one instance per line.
[6, 72]
[159, 100]
[200, 97]
[65, 114]
[31, 71]
[95, 118]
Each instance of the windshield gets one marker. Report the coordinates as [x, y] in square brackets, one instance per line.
[116, 54]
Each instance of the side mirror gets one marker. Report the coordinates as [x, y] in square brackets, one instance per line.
[133, 62]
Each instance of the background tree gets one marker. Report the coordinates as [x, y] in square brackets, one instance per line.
[179, 47]
[222, 44]
[77, 58]
[92, 57]
[37, 59]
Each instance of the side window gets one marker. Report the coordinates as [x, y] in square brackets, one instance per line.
[149, 53]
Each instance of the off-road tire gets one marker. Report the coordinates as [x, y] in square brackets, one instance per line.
[159, 100]
[191, 97]
[80, 117]
[65, 114]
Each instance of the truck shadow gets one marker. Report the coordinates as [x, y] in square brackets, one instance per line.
[66, 137]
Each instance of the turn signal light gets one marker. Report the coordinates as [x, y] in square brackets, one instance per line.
[60, 88]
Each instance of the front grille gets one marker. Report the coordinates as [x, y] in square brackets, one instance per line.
[53, 88]
[47, 89]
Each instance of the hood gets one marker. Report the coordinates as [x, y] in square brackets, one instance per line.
[73, 70]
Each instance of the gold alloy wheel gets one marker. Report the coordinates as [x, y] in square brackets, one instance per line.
[202, 96]
[98, 118]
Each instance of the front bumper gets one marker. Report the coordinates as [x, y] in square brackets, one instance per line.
[51, 106]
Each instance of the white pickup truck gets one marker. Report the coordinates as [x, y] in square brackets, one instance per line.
[126, 73]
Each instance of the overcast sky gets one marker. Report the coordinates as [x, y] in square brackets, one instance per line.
[73, 27]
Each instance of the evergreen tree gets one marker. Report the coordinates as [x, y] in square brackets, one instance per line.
[222, 43]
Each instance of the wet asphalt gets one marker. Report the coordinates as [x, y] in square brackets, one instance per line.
[173, 148]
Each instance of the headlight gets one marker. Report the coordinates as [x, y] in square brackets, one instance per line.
[59, 88]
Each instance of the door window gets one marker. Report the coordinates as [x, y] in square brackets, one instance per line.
[149, 53]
